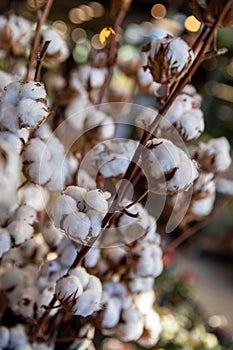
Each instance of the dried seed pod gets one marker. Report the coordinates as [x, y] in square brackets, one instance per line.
[168, 59]
[208, 11]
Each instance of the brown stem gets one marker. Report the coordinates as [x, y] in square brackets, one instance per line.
[194, 229]
[40, 58]
[36, 41]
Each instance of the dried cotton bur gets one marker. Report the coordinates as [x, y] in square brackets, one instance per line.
[77, 252]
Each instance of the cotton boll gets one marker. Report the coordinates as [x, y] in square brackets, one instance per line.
[111, 158]
[8, 117]
[132, 329]
[112, 313]
[5, 241]
[34, 195]
[94, 284]
[139, 284]
[36, 150]
[77, 226]
[4, 336]
[20, 231]
[153, 328]
[63, 206]
[12, 139]
[167, 167]
[78, 194]
[68, 288]
[5, 79]
[95, 200]
[83, 179]
[25, 213]
[168, 58]
[33, 90]
[92, 257]
[87, 303]
[57, 49]
[31, 113]
[96, 220]
[213, 156]
[81, 274]
[67, 254]
[11, 93]
[52, 235]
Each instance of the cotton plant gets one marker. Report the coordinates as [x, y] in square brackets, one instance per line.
[77, 249]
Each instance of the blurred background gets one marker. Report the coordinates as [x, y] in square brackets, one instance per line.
[197, 284]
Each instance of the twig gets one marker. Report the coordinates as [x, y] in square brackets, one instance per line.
[112, 54]
[40, 57]
[37, 38]
[194, 229]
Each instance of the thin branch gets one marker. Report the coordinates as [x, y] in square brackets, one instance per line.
[40, 58]
[36, 41]
[196, 228]
[112, 54]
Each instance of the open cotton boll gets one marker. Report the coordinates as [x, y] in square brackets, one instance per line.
[20, 231]
[36, 150]
[112, 157]
[214, 155]
[76, 226]
[112, 313]
[81, 274]
[76, 111]
[132, 328]
[33, 90]
[5, 241]
[87, 303]
[92, 257]
[68, 288]
[138, 284]
[152, 328]
[94, 284]
[25, 213]
[167, 167]
[11, 93]
[34, 195]
[15, 142]
[168, 58]
[78, 194]
[96, 220]
[95, 200]
[8, 117]
[57, 49]
[31, 113]
[9, 180]
[5, 78]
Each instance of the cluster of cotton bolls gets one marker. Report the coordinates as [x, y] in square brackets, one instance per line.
[79, 212]
[15, 33]
[16, 338]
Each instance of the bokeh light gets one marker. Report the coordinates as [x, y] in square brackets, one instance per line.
[158, 11]
[35, 4]
[192, 24]
[98, 9]
[77, 15]
[61, 27]
[96, 44]
[78, 35]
